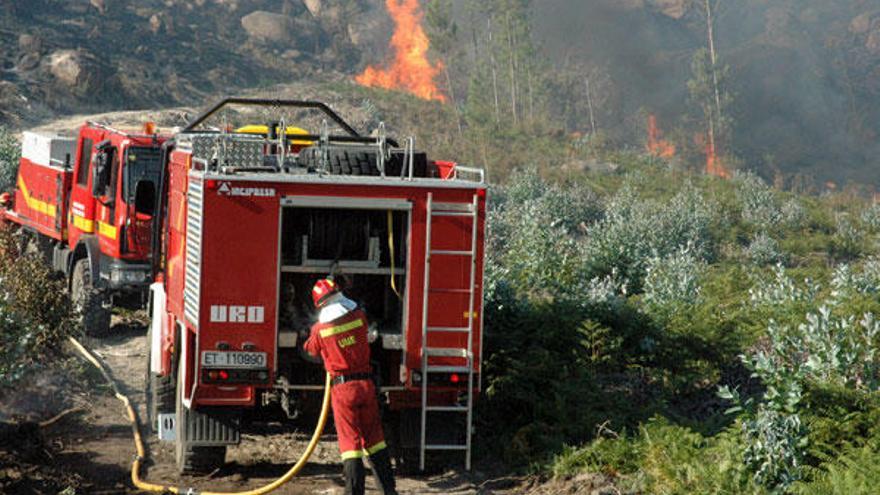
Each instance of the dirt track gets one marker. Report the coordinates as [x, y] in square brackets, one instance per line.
[97, 444]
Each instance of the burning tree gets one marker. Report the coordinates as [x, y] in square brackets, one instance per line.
[656, 145]
[707, 91]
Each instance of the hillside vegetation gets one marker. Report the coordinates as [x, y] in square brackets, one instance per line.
[667, 332]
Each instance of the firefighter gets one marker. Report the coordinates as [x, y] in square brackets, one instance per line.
[340, 338]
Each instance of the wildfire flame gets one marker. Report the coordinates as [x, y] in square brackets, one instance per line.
[714, 165]
[656, 145]
[410, 69]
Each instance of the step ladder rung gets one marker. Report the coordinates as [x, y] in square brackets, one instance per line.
[445, 447]
[456, 352]
[449, 252]
[436, 368]
[450, 329]
[452, 214]
[459, 207]
[451, 291]
[460, 409]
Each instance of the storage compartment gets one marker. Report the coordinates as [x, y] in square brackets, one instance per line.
[366, 250]
[47, 149]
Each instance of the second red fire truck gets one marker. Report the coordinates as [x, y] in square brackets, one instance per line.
[86, 204]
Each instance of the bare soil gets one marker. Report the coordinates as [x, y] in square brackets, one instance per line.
[90, 450]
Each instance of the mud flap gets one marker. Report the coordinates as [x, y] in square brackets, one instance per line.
[209, 428]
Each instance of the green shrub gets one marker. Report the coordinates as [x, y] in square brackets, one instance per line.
[764, 250]
[672, 283]
[851, 472]
[10, 152]
[635, 230]
[663, 458]
[35, 313]
[848, 241]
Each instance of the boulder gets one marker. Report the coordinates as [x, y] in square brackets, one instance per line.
[267, 26]
[101, 5]
[29, 61]
[155, 23]
[873, 42]
[67, 66]
[862, 23]
[314, 6]
[675, 9]
[30, 43]
[363, 30]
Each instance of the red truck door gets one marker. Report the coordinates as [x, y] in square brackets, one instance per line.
[82, 204]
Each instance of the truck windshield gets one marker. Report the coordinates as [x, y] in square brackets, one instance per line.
[141, 163]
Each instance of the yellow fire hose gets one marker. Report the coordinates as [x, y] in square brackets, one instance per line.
[145, 486]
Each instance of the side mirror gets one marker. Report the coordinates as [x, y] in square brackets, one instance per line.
[145, 197]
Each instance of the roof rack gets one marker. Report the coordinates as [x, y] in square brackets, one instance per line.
[231, 152]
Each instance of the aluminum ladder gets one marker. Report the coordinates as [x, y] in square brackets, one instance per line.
[467, 353]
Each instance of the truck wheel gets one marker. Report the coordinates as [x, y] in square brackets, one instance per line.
[89, 301]
[191, 459]
[158, 392]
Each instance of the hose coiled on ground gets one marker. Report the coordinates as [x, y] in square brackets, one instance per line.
[146, 486]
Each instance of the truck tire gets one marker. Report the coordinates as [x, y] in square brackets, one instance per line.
[343, 162]
[90, 302]
[191, 459]
[158, 392]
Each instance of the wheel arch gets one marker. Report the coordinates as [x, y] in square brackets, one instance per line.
[87, 247]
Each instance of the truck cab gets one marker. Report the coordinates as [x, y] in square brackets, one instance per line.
[112, 202]
[86, 204]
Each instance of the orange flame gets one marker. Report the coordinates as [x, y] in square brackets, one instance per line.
[410, 70]
[656, 145]
[714, 165]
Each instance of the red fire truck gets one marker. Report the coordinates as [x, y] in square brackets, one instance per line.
[86, 204]
[249, 220]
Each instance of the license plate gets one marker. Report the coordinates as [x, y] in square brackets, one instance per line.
[218, 359]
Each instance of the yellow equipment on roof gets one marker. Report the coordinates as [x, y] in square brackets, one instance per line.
[264, 130]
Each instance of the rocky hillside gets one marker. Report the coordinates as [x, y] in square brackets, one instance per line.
[65, 56]
[802, 74]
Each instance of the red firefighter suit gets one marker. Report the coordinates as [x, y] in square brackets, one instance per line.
[341, 339]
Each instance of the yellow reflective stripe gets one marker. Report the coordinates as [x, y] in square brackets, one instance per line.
[83, 223]
[34, 203]
[352, 454]
[356, 454]
[107, 230]
[329, 332]
[376, 448]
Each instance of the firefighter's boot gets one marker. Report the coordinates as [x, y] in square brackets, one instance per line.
[354, 474]
[381, 462]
